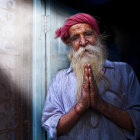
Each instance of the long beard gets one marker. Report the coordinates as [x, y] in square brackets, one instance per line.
[93, 55]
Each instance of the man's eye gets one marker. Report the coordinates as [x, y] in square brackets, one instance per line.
[88, 34]
[74, 38]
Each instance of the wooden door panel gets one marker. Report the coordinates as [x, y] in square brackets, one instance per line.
[56, 50]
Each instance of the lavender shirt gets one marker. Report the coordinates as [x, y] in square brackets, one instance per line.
[124, 93]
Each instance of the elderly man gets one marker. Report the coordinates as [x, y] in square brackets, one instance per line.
[93, 99]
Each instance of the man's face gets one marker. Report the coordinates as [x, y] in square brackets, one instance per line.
[86, 49]
[81, 35]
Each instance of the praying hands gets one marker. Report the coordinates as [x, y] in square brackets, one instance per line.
[89, 93]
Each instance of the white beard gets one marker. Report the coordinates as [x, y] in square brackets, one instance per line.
[93, 55]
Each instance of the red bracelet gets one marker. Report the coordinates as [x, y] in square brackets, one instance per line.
[76, 111]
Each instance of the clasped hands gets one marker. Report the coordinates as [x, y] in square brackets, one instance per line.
[90, 96]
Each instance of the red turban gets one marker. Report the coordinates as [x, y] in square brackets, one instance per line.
[63, 32]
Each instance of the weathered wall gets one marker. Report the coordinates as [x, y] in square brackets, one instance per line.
[15, 69]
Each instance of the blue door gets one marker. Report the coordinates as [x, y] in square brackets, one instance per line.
[49, 54]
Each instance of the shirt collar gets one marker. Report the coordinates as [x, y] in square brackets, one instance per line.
[107, 64]
[69, 70]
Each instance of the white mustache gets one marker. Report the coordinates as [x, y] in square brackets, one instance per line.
[94, 50]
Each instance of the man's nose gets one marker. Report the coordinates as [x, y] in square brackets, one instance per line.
[83, 41]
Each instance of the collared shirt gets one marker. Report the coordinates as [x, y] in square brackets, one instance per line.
[124, 93]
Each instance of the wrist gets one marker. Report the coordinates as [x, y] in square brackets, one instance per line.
[76, 110]
[80, 108]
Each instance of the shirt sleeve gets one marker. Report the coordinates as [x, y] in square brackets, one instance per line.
[53, 108]
[133, 103]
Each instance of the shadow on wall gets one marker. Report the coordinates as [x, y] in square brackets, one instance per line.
[123, 45]
[14, 119]
[127, 40]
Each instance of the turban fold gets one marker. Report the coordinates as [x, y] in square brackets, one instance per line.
[63, 32]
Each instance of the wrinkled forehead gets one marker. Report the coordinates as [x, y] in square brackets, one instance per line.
[79, 28]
